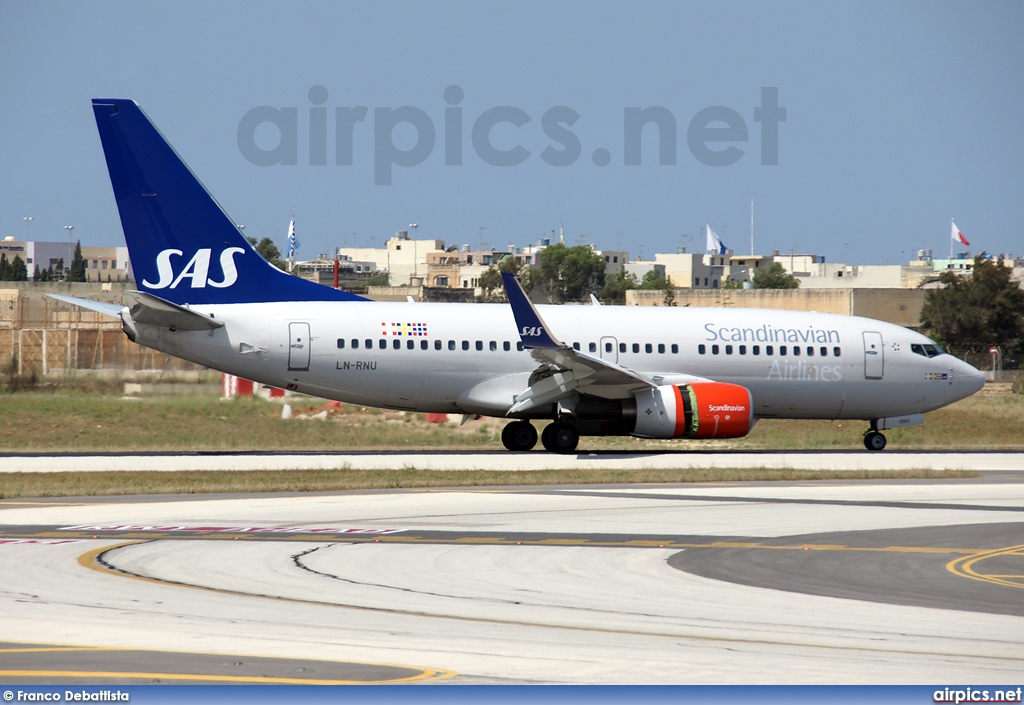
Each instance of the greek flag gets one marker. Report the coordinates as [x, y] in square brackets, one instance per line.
[293, 242]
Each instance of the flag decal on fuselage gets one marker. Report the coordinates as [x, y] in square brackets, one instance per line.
[405, 329]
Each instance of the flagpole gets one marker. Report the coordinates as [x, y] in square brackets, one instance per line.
[951, 221]
[751, 227]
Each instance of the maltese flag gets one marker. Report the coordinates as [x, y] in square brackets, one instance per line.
[959, 236]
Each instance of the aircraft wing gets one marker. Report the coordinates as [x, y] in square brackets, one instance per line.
[146, 308]
[567, 368]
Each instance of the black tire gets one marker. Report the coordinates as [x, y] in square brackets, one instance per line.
[560, 438]
[874, 440]
[519, 436]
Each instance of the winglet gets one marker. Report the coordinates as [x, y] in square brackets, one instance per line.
[533, 331]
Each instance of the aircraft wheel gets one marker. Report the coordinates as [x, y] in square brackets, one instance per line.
[873, 440]
[519, 436]
[560, 438]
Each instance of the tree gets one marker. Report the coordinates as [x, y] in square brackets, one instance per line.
[775, 277]
[569, 273]
[491, 284]
[18, 271]
[268, 251]
[5, 267]
[656, 281]
[76, 272]
[986, 308]
[615, 287]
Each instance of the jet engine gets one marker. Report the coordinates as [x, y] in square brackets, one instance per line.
[696, 410]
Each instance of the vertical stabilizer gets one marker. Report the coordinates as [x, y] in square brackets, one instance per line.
[182, 245]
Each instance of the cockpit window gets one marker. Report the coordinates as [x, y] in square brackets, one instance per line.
[928, 350]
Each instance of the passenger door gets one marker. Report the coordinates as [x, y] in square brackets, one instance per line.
[298, 346]
[874, 355]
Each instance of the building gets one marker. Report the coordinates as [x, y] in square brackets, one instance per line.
[403, 258]
[692, 270]
[106, 264]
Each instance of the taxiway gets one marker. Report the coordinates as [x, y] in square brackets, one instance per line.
[825, 582]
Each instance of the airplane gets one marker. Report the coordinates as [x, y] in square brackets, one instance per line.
[205, 295]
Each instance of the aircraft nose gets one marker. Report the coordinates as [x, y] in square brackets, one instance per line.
[971, 379]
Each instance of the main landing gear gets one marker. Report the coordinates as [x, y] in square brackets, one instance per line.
[519, 436]
[558, 437]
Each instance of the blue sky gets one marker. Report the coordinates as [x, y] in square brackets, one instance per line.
[899, 116]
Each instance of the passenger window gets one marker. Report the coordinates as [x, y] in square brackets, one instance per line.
[622, 347]
[782, 350]
[341, 343]
[823, 350]
[437, 345]
[648, 348]
[728, 350]
[493, 346]
[714, 349]
[575, 346]
[397, 344]
[743, 350]
[636, 347]
[837, 352]
[519, 346]
[702, 349]
[810, 351]
[383, 344]
[607, 347]
[675, 349]
[661, 348]
[592, 347]
[424, 345]
[756, 350]
[506, 346]
[796, 350]
[451, 344]
[465, 345]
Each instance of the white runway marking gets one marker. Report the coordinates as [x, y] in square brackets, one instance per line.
[846, 460]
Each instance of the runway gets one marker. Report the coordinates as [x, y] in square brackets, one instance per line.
[501, 460]
[825, 582]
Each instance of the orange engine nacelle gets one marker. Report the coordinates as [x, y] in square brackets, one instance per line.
[697, 410]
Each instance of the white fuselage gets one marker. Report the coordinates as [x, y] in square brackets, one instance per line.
[464, 358]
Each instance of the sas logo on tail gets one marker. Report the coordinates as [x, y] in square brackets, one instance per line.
[196, 271]
[531, 331]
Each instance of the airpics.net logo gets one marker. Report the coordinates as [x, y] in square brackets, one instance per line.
[407, 136]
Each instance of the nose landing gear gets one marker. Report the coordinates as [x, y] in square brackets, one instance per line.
[873, 440]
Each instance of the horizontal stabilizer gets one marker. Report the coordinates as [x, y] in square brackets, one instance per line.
[98, 306]
[146, 308]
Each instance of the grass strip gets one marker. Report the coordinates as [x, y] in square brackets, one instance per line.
[90, 484]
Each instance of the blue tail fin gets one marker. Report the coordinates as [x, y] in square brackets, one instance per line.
[183, 247]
